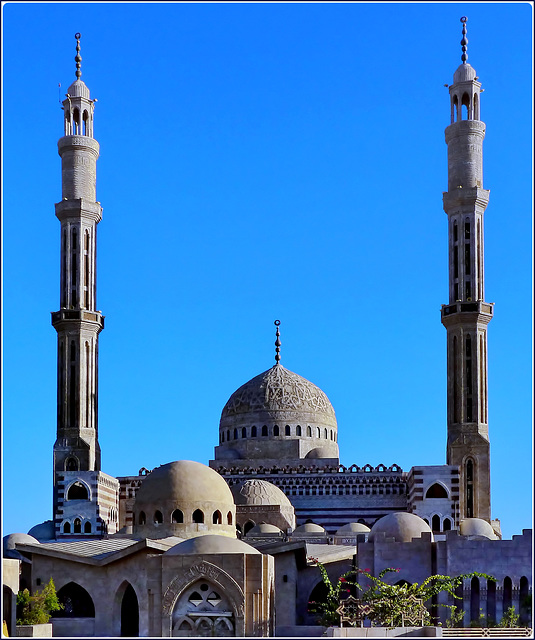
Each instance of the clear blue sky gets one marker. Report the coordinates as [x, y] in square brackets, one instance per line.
[263, 161]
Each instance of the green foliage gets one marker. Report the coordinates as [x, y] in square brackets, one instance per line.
[456, 617]
[390, 602]
[510, 618]
[37, 609]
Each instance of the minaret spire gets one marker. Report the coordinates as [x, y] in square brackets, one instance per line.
[277, 342]
[464, 41]
[466, 316]
[78, 58]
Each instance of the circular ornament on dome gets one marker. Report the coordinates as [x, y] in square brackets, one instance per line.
[402, 526]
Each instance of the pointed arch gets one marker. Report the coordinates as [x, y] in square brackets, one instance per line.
[76, 601]
[77, 490]
[437, 490]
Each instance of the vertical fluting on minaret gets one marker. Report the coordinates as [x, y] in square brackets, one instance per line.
[466, 316]
[78, 322]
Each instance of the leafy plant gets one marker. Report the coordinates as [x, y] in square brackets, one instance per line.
[455, 618]
[391, 602]
[510, 618]
[37, 609]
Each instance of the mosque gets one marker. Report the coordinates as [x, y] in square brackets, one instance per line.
[224, 549]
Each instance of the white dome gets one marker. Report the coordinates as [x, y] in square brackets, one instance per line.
[464, 73]
[184, 498]
[477, 527]
[12, 539]
[259, 492]
[403, 527]
[353, 527]
[264, 529]
[210, 544]
[309, 528]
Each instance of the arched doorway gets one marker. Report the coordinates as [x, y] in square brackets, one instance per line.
[129, 613]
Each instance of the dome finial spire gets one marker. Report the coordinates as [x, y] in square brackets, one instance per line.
[277, 342]
[464, 41]
[78, 58]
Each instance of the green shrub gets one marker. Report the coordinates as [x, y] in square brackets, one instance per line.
[37, 609]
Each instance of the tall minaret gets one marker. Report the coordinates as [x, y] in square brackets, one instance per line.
[467, 315]
[78, 323]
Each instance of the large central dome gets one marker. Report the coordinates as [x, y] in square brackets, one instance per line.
[278, 389]
[277, 415]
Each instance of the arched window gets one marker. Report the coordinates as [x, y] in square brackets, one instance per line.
[158, 517]
[264, 430]
[87, 527]
[235, 434]
[177, 517]
[309, 432]
[222, 437]
[275, 430]
[248, 526]
[318, 432]
[76, 122]
[142, 518]
[332, 438]
[77, 603]
[455, 115]
[436, 491]
[253, 432]
[67, 527]
[244, 432]
[507, 593]
[229, 517]
[85, 126]
[298, 430]
[216, 518]
[435, 523]
[525, 601]
[77, 491]
[469, 489]
[129, 613]
[474, 599]
[228, 435]
[71, 464]
[287, 430]
[325, 434]
[447, 524]
[491, 601]
[198, 516]
[77, 525]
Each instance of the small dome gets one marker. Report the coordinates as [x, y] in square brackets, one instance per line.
[403, 527]
[264, 529]
[184, 499]
[210, 544]
[259, 492]
[353, 527]
[319, 452]
[78, 89]
[44, 531]
[309, 528]
[183, 481]
[464, 73]
[12, 539]
[477, 527]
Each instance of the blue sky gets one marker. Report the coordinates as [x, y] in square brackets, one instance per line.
[263, 161]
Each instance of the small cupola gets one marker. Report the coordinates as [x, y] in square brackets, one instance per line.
[78, 107]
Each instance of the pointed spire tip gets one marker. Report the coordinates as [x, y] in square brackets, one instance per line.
[277, 342]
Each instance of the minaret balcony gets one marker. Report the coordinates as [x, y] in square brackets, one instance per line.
[467, 311]
[78, 315]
